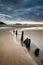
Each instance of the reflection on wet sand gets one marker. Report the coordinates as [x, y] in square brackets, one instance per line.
[11, 53]
[36, 37]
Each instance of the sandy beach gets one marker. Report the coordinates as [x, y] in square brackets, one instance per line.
[12, 53]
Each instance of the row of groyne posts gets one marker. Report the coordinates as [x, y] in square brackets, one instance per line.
[27, 42]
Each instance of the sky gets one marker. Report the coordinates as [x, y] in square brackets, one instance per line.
[26, 10]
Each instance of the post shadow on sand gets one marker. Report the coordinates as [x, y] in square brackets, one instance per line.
[36, 52]
[16, 32]
[22, 36]
[27, 43]
[42, 61]
[13, 31]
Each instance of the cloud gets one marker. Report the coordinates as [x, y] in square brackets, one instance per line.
[5, 15]
[21, 9]
[11, 2]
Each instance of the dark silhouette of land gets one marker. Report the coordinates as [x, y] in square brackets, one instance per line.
[2, 23]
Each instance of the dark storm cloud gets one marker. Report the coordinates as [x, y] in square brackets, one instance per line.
[23, 9]
[10, 1]
[32, 3]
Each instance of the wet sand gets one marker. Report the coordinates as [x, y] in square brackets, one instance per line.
[36, 37]
[11, 53]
